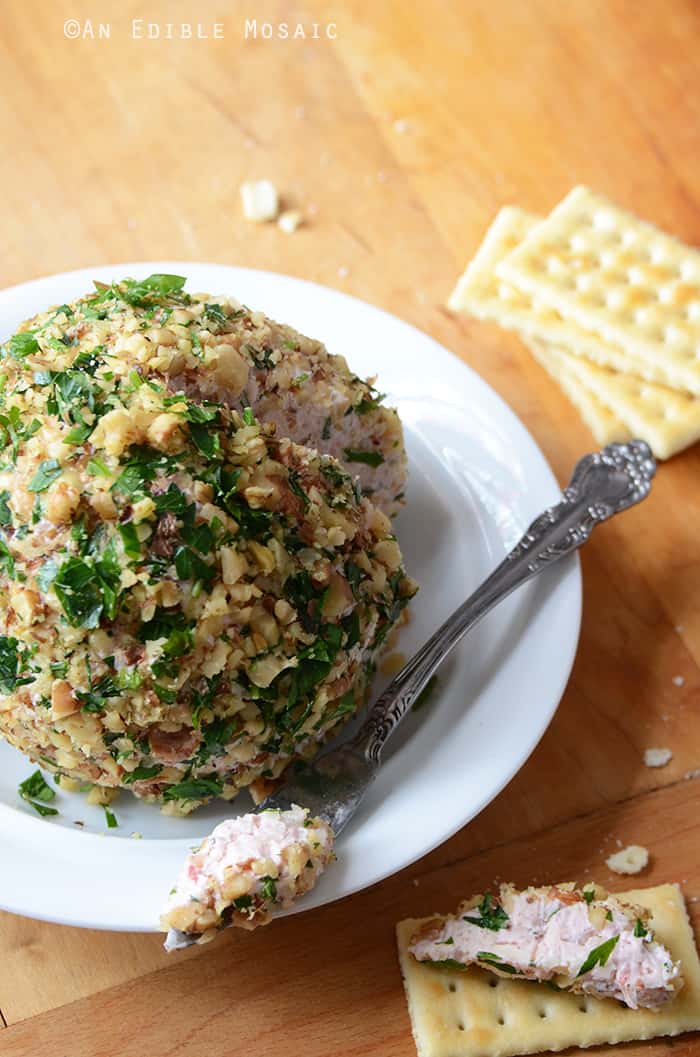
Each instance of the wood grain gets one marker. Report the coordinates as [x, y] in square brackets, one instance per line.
[399, 140]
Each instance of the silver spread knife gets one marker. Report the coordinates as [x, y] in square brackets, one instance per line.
[331, 786]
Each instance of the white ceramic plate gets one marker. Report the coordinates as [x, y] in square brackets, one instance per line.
[476, 480]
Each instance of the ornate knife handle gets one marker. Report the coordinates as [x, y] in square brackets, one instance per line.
[603, 484]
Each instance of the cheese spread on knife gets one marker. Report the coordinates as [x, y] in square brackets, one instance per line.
[579, 940]
[245, 870]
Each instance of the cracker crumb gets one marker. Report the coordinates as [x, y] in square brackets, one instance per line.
[657, 757]
[401, 125]
[629, 860]
[679, 628]
[416, 882]
[260, 200]
[136, 835]
[678, 680]
[343, 272]
[290, 220]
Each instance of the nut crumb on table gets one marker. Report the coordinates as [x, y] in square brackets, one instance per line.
[629, 860]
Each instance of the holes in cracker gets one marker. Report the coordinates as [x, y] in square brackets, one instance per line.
[493, 983]
[543, 1014]
[460, 1026]
[452, 987]
[501, 1021]
[584, 1006]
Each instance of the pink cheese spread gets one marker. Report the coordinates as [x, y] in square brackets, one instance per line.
[246, 869]
[574, 939]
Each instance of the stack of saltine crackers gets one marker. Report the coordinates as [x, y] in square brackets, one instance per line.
[608, 304]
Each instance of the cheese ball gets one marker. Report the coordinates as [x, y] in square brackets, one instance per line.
[188, 600]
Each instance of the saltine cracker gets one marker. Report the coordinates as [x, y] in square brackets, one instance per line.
[616, 276]
[475, 1014]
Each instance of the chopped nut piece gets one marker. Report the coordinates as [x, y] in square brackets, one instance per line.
[260, 200]
[629, 860]
[657, 757]
[290, 220]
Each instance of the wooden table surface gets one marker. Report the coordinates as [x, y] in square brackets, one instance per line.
[399, 139]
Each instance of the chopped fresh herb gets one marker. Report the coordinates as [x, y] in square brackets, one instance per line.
[13, 429]
[445, 963]
[97, 468]
[491, 915]
[369, 404]
[110, 817]
[172, 501]
[142, 773]
[268, 889]
[300, 379]
[59, 668]
[353, 574]
[248, 416]
[608, 916]
[369, 458]
[37, 788]
[495, 962]
[5, 514]
[169, 697]
[23, 344]
[49, 471]
[640, 929]
[143, 292]
[262, 358]
[215, 738]
[190, 566]
[243, 902]
[87, 588]
[130, 540]
[94, 698]
[333, 473]
[194, 789]
[326, 431]
[128, 679]
[215, 314]
[37, 792]
[7, 562]
[598, 956]
[345, 707]
[13, 659]
[205, 440]
[293, 478]
[589, 895]
[445, 943]
[142, 465]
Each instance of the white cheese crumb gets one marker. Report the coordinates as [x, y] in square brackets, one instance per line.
[657, 757]
[290, 220]
[136, 836]
[631, 859]
[678, 680]
[679, 628]
[260, 200]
